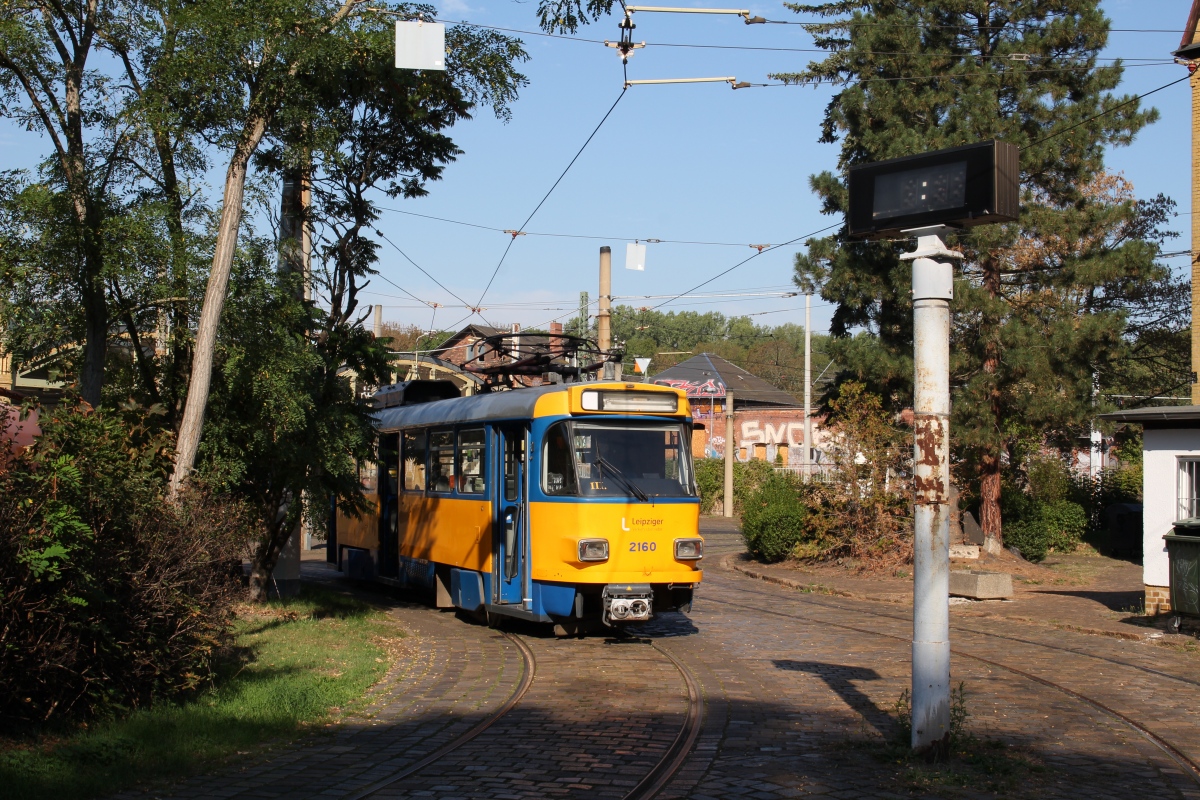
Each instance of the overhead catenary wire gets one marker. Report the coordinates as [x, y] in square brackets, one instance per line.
[585, 40]
[1136, 98]
[648, 239]
[541, 202]
[423, 270]
[748, 259]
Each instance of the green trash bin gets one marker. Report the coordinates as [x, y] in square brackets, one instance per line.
[1183, 553]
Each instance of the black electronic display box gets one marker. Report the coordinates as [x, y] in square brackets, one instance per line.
[962, 186]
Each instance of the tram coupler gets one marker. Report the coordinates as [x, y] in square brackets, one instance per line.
[627, 603]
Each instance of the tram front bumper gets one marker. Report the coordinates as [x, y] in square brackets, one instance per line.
[627, 603]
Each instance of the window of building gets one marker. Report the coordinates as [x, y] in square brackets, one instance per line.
[441, 461]
[414, 461]
[1188, 491]
[471, 454]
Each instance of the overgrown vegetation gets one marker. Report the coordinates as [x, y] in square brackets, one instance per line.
[774, 518]
[858, 510]
[293, 666]
[1048, 507]
[748, 476]
[109, 599]
[967, 760]
[862, 510]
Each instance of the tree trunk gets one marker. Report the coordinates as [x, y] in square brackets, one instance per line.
[95, 344]
[188, 442]
[989, 483]
[266, 555]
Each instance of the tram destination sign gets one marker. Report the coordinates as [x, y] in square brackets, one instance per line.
[960, 187]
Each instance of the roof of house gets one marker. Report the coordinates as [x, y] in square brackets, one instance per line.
[1188, 46]
[1158, 416]
[710, 376]
[479, 331]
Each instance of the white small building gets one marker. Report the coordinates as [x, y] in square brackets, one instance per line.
[1170, 487]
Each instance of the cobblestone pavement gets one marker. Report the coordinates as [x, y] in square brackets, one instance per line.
[799, 687]
[453, 675]
[600, 714]
[798, 692]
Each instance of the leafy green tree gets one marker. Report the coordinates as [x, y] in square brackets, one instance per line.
[1039, 309]
[286, 423]
[248, 71]
[47, 84]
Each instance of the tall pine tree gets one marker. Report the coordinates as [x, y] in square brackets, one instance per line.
[1039, 307]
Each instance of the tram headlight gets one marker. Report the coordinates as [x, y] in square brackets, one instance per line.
[593, 549]
[689, 549]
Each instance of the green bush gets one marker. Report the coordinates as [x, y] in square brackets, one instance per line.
[109, 597]
[1057, 526]
[1065, 524]
[747, 478]
[773, 518]
[710, 482]
[1028, 537]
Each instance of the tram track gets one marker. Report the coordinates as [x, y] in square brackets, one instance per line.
[529, 671]
[685, 740]
[1175, 754]
[647, 787]
[1073, 651]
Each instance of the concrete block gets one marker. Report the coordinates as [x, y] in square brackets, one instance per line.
[981, 585]
[964, 551]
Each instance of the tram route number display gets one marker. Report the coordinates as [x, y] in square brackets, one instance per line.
[959, 187]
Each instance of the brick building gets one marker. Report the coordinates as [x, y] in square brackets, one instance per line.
[768, 422]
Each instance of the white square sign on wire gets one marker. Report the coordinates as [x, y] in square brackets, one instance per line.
[635, 256]
[420, 45]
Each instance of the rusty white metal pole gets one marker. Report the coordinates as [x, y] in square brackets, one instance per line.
[727, 506]
[806, 459]
[933, 288]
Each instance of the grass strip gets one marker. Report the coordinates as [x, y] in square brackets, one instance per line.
[297, 665]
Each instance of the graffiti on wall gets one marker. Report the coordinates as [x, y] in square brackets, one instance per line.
[709, 388]
[771, 433]
[762, 432]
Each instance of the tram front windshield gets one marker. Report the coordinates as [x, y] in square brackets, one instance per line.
[616, 459]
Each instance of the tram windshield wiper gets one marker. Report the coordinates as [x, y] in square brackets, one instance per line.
[616, 473]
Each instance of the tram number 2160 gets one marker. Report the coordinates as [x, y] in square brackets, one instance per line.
[643, 547]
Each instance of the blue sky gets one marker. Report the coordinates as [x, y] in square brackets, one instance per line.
[693, 162]
[700, 163]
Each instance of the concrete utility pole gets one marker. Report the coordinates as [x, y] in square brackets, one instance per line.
[1194, 82]
[806, 459]
[1188, 55]
[728, 502]
[933, 288]
[603, 321]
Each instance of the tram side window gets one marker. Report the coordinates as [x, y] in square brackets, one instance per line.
[367, 472]
[414, 461]
[558, 469]
[441, 461]
[389, 464]
[471, 451]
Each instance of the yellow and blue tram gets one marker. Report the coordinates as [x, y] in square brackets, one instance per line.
[568, 503]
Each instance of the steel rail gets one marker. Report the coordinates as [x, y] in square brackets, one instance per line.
[681, 747]
[1106, 659]
[529, 669]
[1190, 767]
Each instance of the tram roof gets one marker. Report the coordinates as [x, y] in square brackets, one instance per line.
[490, 407]
[513, 404]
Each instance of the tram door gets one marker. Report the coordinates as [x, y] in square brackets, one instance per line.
[511, 526]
